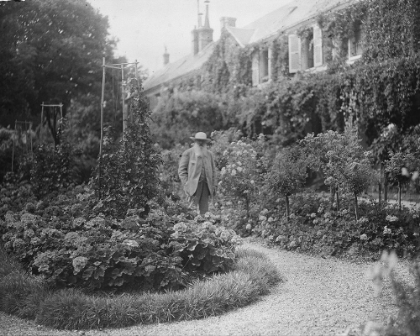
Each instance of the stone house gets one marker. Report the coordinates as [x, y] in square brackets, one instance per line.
[304, 48]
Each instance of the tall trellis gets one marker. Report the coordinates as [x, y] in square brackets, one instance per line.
[118, 66]
[49, 112]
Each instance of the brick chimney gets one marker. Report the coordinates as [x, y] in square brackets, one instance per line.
[195, 32]
[227, 22]
[205, 33]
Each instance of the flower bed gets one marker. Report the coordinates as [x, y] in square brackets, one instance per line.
[313, 227]
[28, 296]
[72, 245]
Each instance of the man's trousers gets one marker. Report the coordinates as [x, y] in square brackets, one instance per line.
[201, 197]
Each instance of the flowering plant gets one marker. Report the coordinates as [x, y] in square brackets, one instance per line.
[90, 250]
[205, 246]
[240, 178]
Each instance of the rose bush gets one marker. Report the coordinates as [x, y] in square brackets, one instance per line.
[240, 178]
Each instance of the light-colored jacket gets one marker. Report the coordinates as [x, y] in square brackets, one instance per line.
[190, 166]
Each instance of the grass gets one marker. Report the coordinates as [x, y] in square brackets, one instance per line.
[20, 293]
[27, 296]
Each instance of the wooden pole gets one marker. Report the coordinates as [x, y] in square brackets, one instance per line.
[102, 125]
[42, 126]
[122, 98]
[32, 150]
[13, 148]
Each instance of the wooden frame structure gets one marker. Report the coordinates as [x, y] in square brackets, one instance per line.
[41, 130]
[119, 66]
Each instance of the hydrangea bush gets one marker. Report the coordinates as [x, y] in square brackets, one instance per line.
[74, 246]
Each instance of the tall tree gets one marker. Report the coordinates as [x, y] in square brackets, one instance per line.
[51, 51]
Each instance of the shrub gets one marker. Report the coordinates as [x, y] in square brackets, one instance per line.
[155, 253]
[240, 178]
[14, 196]
[53, 167]
[180, 115]
[206, 247]
[312, 227]
[343, 161]
[287, 175]
[71, 309]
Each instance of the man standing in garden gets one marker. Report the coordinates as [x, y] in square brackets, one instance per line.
[197, 173]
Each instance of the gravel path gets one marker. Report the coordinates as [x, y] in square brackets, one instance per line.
[320, 297]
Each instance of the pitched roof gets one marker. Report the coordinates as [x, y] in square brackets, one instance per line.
[241, 35]
[179, 68]
[283, 18]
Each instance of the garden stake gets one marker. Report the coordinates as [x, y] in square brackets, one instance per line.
[13, 148]
[102, 126]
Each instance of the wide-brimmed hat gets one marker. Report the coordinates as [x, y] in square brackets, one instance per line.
[200, 136]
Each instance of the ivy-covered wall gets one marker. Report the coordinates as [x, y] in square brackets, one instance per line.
[382, 87]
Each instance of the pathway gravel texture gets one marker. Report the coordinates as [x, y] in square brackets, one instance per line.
[319, 297]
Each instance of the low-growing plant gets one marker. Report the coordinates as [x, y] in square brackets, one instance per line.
[314, 228]
[153, 253]
[253, 275]
[207, 247]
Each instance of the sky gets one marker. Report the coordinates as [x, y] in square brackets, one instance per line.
[145, 27]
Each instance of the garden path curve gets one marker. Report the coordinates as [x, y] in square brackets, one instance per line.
[319, 297]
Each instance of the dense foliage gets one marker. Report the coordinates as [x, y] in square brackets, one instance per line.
[378, 90]
[182, 114]
[28, 296]
[51, 51]
[313, 222]
[127, 174]
[69, 242]
[312, 227]
[287, 175]
[240, 177]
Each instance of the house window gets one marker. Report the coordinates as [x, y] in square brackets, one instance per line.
[264, 64]
[255, 69]
[308, 53]
[355, 42]
[294, 53]
[261, 66]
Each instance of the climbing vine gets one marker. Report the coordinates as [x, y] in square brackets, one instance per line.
[228, 66]
[383, 87]
[392, 29]
[337, 28]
